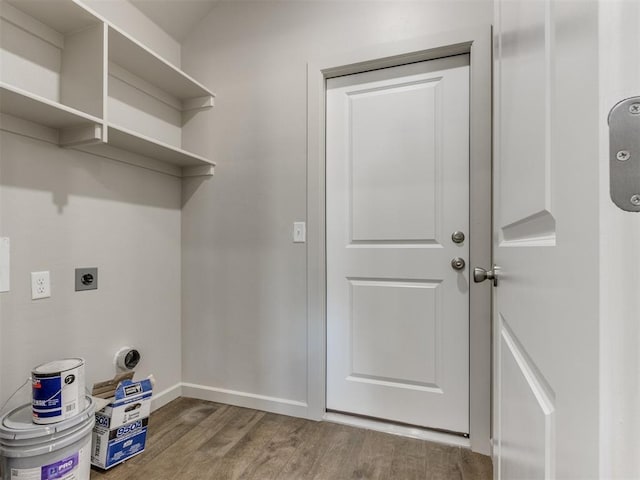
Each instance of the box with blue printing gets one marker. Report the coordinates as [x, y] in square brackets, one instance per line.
[121, 427]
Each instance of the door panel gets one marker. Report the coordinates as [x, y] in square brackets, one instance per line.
[381, 314]
[525, 234]
[527, 416]
[382, 186]
[525, 94]
[397, 187]
[545, 240]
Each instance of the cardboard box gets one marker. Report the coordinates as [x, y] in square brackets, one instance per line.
[120, 431]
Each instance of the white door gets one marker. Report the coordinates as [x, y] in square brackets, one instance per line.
[546, 240]
[397, 188]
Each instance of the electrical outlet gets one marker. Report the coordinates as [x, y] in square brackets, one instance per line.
[86, 279]
[40, 285]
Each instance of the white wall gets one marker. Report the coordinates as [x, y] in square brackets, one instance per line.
[127, 17]
[620, 258]
[244, 281]
[64, 209]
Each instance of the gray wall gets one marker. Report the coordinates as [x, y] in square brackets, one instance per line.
[244, 281]
[64, 209]
[126, 16]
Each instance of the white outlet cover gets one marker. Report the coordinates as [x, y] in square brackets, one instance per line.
[40, 285]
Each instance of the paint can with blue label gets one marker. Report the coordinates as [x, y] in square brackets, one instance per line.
[58, 390]
[46, 452]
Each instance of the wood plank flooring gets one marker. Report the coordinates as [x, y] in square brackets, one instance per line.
[192, 439]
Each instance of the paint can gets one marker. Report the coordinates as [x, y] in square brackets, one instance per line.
[46, 452]
[58, 390]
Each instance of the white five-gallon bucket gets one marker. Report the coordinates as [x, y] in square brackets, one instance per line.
[58, 390]
[61, 451]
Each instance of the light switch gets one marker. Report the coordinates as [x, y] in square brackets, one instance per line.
[299, 232]
[5, 271]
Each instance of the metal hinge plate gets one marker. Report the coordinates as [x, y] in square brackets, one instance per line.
[624, 154]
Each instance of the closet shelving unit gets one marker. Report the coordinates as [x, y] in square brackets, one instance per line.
[70, 77]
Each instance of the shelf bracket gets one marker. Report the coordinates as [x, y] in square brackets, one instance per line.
[198, 103]
[198, 171]
[83, 135]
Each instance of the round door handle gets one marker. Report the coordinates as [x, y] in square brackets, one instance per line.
[458, 263]
[480, 275]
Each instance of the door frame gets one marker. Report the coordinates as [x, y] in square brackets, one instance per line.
[477, 43]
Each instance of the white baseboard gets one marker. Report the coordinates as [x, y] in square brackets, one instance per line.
[394, 429]
[160, 399]
[248, 400]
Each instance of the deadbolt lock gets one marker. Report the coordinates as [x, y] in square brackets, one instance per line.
[457, 236]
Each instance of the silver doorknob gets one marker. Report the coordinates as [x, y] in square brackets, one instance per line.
[480, 275]
[458, 263]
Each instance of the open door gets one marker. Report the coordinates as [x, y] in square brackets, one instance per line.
[546, 240]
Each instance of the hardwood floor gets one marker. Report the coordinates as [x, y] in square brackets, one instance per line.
[192, 439]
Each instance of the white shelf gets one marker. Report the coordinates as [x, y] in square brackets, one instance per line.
[25, 105]
[142, 62]
[133, 142]
[135, 149]
[63, 16]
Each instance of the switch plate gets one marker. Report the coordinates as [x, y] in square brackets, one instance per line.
[5, 271]
[40, 285]
[299, 232]
[86, 279]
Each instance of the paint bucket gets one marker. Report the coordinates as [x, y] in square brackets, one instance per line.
[58, 390]
[46, 452]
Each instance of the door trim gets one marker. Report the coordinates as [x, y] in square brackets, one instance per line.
[477, 43]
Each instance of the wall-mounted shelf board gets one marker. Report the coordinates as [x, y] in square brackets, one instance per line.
[130, 147]
[142, 62]
[25, 105]
[63, 16]
[149, 147]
